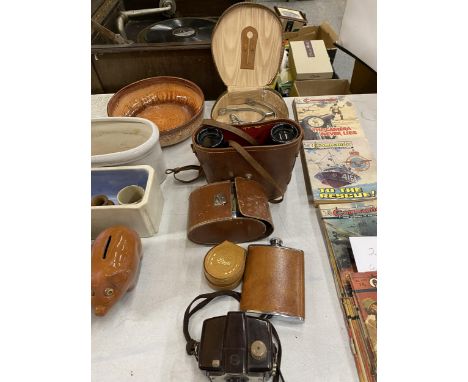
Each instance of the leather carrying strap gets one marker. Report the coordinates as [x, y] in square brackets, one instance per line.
[242, 152]
[176, 170]
[258, 167]
[224, 126]
[249, 158]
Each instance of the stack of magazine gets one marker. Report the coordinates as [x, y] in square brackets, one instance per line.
[340, 173]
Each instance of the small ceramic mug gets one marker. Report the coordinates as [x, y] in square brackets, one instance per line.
[131, 194]
[101, 200]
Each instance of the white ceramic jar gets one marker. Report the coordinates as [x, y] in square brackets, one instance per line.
[118, 141]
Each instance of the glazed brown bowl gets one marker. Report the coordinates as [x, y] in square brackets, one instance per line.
[174, 104]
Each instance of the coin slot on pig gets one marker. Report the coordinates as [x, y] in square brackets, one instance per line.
[106, 248]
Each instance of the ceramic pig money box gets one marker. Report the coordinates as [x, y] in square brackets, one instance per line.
[115, 263]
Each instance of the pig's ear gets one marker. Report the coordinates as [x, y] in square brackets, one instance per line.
[119, 278]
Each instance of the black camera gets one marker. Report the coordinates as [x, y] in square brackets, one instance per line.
[235, 347]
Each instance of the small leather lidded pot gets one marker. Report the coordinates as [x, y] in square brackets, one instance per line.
[115, 263]
[224, 265]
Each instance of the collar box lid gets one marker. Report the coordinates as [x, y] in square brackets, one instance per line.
[247, 46]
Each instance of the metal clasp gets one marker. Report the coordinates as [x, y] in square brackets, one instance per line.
[219, 200]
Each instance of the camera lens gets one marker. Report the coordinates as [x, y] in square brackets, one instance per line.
[283, 133]
[210, 137]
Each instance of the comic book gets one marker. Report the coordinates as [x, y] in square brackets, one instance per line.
[363, 360]
[327, 117]
[357, 340]
[339, 222]
[339, 171]
[364, 289]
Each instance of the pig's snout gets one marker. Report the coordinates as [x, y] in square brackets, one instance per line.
[100, 310]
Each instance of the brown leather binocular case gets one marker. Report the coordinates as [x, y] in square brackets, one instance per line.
[250, 152]
[274, 281]
[235, 210]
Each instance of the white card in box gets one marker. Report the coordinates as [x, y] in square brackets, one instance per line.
[309, 60]
[143, 217]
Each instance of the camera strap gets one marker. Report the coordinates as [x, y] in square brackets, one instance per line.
[192, 345]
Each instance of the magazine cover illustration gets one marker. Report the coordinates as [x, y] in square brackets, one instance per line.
[331, 117]
[364, 286]
[341, 221]
[340, 171]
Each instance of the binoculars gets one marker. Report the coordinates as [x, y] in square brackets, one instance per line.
[212, 137]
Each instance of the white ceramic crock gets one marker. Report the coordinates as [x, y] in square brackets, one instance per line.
[118, 141]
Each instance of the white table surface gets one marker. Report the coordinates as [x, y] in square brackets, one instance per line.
[141, 338]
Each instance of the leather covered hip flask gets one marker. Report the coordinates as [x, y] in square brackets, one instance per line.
[274, 281]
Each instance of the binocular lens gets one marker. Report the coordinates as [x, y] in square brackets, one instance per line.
[210, 137]
[283, 132]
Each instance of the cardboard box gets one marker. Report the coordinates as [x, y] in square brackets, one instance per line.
[308, 60]
[319, 88]
[291, 19]
[313, 32]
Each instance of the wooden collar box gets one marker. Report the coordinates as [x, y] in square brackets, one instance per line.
[114, 66]
[308, 60]
[247, 51]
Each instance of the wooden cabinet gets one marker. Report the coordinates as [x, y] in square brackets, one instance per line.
[114, 66]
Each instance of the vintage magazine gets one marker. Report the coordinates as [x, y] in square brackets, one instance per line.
[339, 222]
[364, 289]
[339, 171]
[357, 341]
[327, 117]
[364, 361]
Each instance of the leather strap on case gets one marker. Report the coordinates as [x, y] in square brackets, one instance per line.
[176, 170]
[236, 146]
[224, 126]
[249, 158]
[258, 167]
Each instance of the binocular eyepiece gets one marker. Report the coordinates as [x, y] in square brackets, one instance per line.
[212, 137]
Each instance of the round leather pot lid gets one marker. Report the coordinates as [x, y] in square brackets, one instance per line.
[224, 264]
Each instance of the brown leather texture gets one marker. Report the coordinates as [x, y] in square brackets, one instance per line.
[115, 262]
[221, 164]
[274, 281]
[236, 210]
